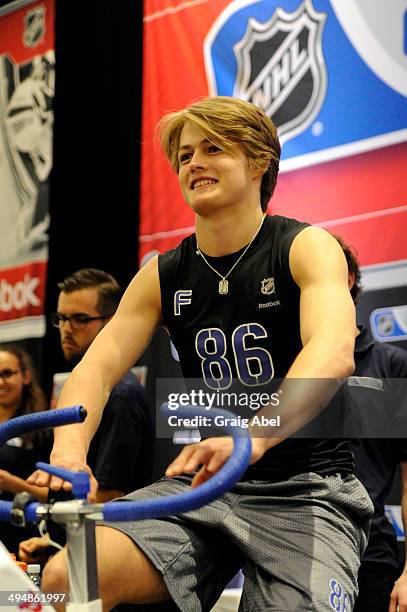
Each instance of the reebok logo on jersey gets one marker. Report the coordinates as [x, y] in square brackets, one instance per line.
[269, 304]
[267, 287]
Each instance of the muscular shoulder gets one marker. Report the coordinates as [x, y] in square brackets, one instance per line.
[316, 253]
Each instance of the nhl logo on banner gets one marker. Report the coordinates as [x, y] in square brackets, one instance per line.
[281, 68]
[34, 22]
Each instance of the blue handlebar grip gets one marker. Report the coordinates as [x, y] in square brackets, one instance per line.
[41, 420]
[221, 482]
[30, 511]
[80, 480]
[5, 511]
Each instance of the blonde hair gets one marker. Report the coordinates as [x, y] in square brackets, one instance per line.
[226, 121]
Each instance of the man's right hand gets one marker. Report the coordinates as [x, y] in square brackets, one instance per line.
[43, 479]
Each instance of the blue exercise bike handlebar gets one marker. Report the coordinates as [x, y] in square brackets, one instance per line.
[33, 422]
[221, 482]
[41, 420]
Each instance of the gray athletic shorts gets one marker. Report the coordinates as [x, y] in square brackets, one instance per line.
[298, 541]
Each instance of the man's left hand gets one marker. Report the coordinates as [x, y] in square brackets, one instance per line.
[209, 456]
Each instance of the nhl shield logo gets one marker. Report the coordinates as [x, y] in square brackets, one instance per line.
[281, 68]
[267, 286]
[34, 30]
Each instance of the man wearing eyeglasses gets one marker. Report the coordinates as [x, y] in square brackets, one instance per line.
[120, 454]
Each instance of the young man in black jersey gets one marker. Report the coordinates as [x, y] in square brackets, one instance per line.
[247, 298]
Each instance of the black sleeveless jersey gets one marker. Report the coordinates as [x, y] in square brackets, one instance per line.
[250, 335]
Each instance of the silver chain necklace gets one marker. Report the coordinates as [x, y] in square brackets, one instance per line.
[224, 283]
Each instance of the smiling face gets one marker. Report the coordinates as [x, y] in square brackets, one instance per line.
[12, 385]
[211, 177]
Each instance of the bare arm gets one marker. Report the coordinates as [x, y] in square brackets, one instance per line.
[15, 484]
[399, 594]
[328, 329]
[111, 354]
[327, 312]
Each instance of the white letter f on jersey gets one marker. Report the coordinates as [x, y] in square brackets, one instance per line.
[181, 298]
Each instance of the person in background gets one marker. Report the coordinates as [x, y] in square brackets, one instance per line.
[376, 462]
[20, 394]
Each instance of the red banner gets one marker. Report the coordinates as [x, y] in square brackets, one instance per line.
[27, 77]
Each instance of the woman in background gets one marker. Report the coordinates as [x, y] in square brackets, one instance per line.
[20, 393]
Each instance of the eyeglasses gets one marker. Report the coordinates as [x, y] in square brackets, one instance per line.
[77, 321]
[8, 373]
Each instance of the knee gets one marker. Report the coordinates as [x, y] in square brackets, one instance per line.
[55, 574]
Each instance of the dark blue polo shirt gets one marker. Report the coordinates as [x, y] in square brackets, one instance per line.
[377, 458]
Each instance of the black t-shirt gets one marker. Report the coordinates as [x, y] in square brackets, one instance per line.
[376, 459]
[249, 336]
[121, 452]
